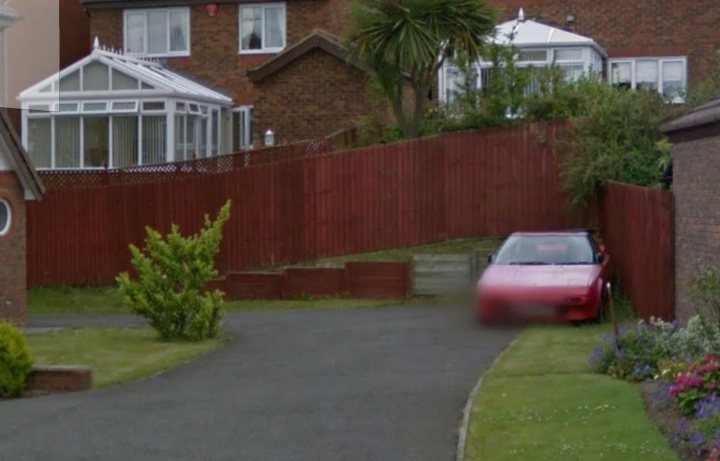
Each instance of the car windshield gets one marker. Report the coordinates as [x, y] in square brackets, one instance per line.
[546, 249]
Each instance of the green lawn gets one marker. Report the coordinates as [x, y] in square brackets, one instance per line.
[115, 354]
[404, 254]
[540, 402]
[104, 300]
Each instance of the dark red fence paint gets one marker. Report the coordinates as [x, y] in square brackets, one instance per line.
[638, 228]
[309, 205]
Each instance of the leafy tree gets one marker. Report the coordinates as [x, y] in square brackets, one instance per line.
[172, 272]
[408, 41]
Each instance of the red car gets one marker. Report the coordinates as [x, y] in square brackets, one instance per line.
[550, 276]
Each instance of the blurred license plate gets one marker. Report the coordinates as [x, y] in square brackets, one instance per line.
[534, 310]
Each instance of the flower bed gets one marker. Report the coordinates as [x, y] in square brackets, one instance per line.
[684, 364]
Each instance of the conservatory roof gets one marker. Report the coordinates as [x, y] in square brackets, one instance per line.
[522, 32]
[141, 78]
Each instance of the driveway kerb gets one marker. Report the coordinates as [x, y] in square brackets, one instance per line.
[467, 410]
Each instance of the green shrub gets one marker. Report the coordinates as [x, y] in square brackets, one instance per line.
[15, 361]
[172, 272]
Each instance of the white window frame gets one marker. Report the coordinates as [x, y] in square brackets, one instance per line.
[247, 110]
[6, 230]
[167, 12]
[661, 61]
[264, 6]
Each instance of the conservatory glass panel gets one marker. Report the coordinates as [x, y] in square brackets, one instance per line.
[179, 137]
[125, 141]
[154, 106]
[214, 135]
[154, 133]
[67, 142]
[40, 141]
[621, 74]
[135, 33]
[96, 143]
[67, 107]
[95, 107]
[568, 54]
[96, 77]
[125, 106]
[240, 138]
[533, 55]
[203, 134]
[123, 82]
[157, 25]
[673, 79]
[70, 82]
[191, 138]
[572, 72]
[647, 75]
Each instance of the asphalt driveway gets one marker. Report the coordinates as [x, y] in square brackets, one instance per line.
[366, 384]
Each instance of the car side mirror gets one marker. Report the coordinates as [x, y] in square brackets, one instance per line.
[491, 257]
[600, 257]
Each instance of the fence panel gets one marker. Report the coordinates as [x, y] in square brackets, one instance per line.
[301, 202]
[638, 228]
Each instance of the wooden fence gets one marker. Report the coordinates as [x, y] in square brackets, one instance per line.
[638, 229]
[317, 204]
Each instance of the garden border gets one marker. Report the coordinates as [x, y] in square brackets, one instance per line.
[470, 402]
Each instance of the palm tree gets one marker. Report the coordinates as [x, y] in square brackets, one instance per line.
[408, 40]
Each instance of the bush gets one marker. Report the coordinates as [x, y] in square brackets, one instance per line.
[15, 361]
[636, 353]
[172, 274]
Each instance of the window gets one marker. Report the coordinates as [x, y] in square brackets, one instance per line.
[67, 142]
[242, 129]
[262, 28]
[668, 76]
[154, 132]
[158, 32]
[533, 56]
[5, 217]
[95, 142]
[40, 142]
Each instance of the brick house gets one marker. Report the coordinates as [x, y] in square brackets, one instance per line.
[663, 45]
[62, 26]
[226, 39]
[18, 182]
[696, 188]
[284, 68]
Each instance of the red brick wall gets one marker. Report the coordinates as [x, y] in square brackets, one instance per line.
[12, 252]
[696, 186]
[628, 28]
[74, 32]
[215, 40]
[334, 93]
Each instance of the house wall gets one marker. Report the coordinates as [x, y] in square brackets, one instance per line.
[215, 58]
[13, 253]
[696, 186]
[316, 83]
[636, 28]
[51, 35]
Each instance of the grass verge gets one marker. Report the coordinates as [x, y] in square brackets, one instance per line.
[404, 254]
[540, 402]
[105, 300]
[115, 355]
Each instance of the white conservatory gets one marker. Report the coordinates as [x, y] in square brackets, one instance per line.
[110, 110]
[538, 45]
